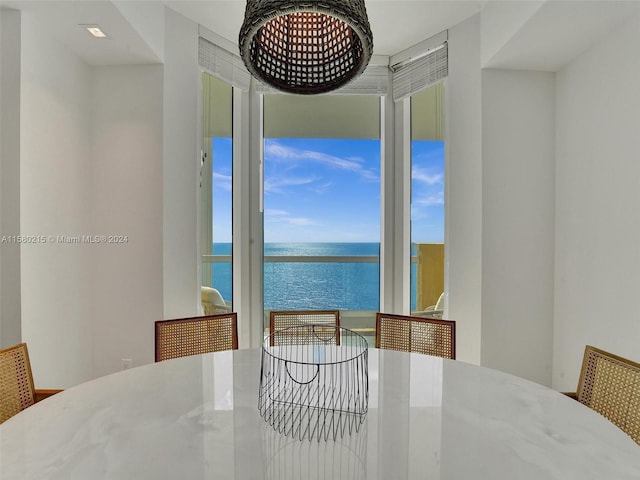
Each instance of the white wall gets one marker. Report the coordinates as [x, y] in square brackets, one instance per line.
[148, 20]
[597, 274]
[463, 231]
[126, 160]
[10, 311]
[145, 181]
[518, 169]
[105, 151]
[181, 167]
[501, 22]
[55, 199]
[91, 164]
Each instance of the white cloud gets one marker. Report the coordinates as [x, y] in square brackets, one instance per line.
[284, 217]
[277, 184]
[222, 181]
[430, 200]
[434, 153]
[277, 151]
[424, 176]
[274, 212]
[322, 188]
[301, 222]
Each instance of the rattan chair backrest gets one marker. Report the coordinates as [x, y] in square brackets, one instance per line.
[196, 335]
[416, 334]
[280, 320]
[610, 385]
[17, 390]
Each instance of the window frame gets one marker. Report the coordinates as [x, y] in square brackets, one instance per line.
[248, 204]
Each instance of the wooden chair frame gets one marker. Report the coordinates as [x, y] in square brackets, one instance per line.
[281, 319]
[181, 337]
[17, 389]
[16, 381]
[610, 385]
[443, 332]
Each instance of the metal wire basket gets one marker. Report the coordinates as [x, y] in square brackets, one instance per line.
[311, 388]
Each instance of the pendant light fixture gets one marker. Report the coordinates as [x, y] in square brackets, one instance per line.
[306, 47]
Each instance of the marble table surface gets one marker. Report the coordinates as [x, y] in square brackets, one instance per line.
[428, 418]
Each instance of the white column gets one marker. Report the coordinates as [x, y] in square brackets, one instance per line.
[10, 292]
[402, 208]
[395, 250]
[247, 217]
[463, 188]
[180, 168]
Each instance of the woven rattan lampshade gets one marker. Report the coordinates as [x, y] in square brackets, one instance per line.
[306, 47]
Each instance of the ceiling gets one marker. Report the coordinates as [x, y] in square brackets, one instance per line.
[538, 35]
[396, 25]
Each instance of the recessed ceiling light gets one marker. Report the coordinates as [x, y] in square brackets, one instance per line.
[95, 31]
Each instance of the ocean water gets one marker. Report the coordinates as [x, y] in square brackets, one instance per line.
[309, 285]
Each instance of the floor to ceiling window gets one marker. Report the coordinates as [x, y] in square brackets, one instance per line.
[427, 199]
[320, 216]
[216, 182]
[322, 203]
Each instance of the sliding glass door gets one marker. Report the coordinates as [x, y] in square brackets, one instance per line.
[427, 199]
[216, 192]
[322, 205]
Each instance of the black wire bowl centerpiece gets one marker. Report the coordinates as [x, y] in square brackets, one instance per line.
[312, 387]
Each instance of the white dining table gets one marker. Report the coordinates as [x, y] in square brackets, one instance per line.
[428, 418]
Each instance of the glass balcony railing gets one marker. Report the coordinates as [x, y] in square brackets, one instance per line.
[305, 281]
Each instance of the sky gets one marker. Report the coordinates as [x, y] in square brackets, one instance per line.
[328, 190]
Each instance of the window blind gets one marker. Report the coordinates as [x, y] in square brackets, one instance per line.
[373, 81]
[415, 75]
[223, 64]
[407, 77]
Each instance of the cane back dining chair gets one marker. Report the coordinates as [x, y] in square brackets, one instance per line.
[323, 327]
[416, 334]
[17, 390]
[196, 335]
[610, 385]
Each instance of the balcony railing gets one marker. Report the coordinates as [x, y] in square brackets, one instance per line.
[304, 259]
[428, 262]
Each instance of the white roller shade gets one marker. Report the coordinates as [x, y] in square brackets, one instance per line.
[414, 75]
[322, 116]
[223, 64]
